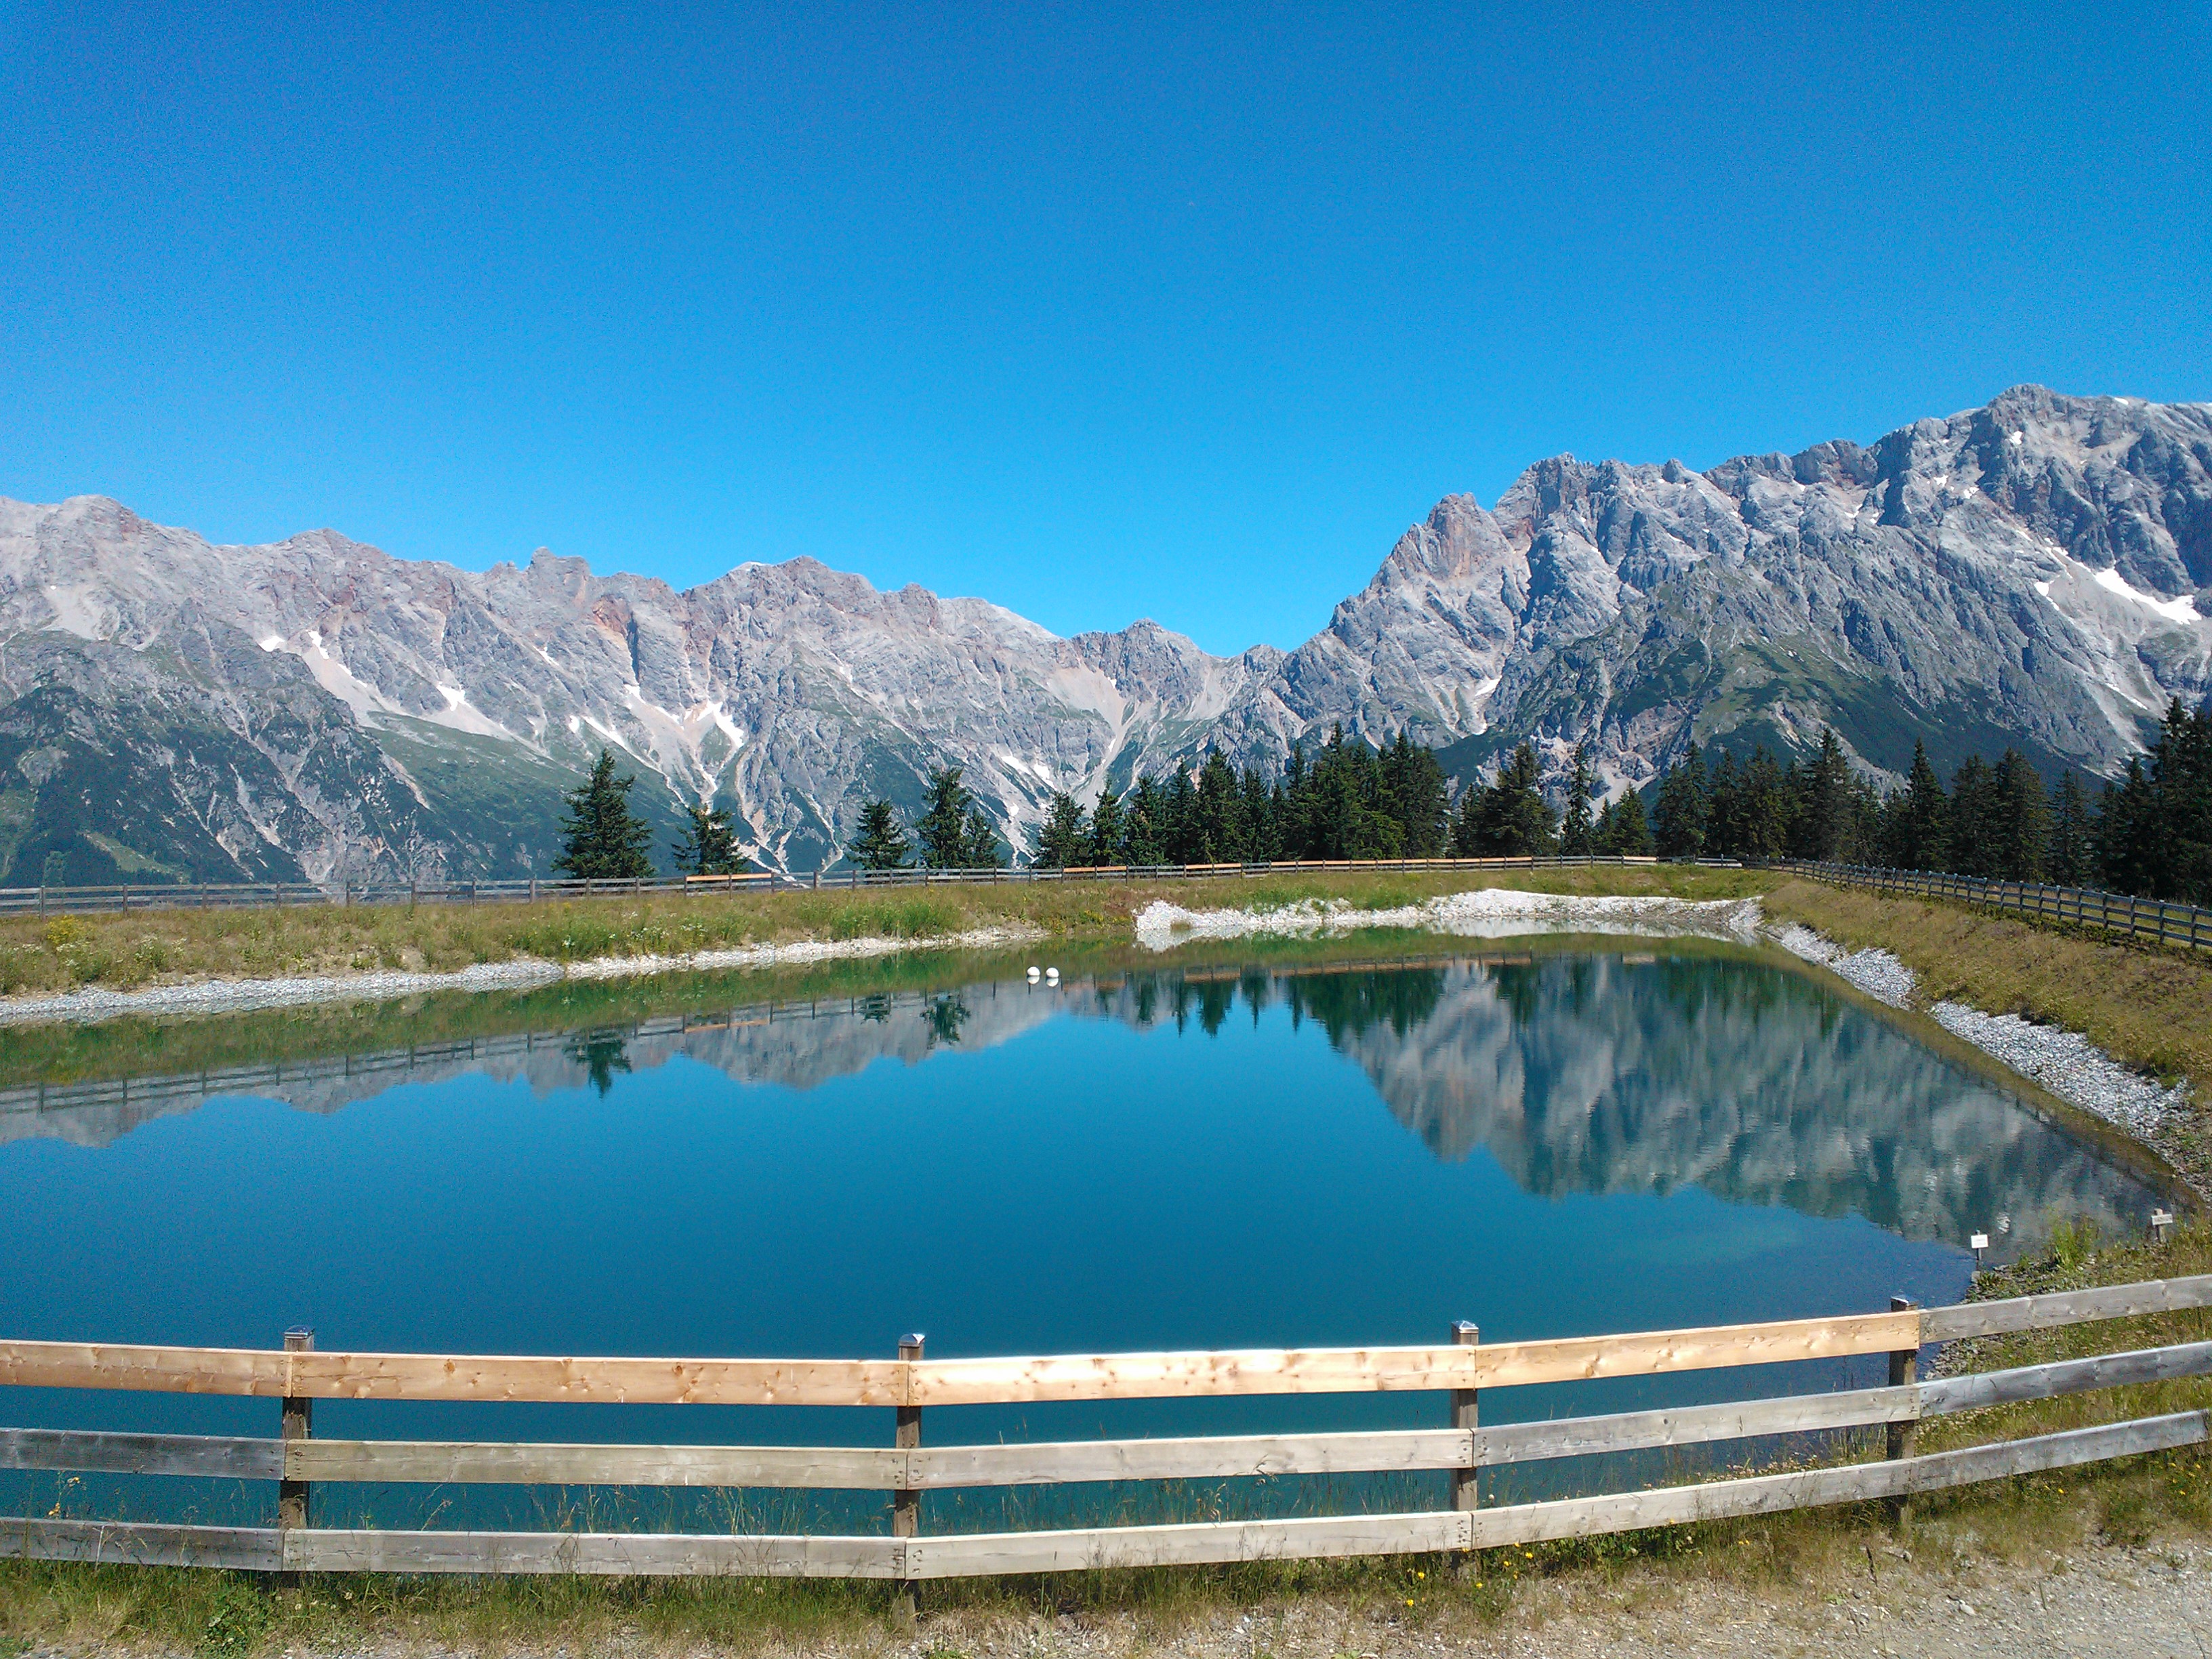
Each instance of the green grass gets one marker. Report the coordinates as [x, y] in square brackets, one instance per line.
[173, 946]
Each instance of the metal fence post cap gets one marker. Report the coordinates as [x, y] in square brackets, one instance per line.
[911, 1339]
[1465, 1329]
[300, 1336]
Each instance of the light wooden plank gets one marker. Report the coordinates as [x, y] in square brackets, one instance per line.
[603, 1380]
[1508, 1364]
[1321, 1370]
[2035, 1313]
[968, 1555]
[658, 1554]
[154, 1370]
[1192, 1459]
[226, 1456]
[1583, 1517]
[468, 1463]
[241, 1549]
[2112, 1370]
[276, 1374]
[1685, 1425]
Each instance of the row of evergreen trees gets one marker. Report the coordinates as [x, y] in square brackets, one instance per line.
[2148, 834]
[1349, 801]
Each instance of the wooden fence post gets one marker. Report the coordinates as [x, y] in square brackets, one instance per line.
[299, 1409]
[1466, 1334]
[1904, 1370]
[905, 1501]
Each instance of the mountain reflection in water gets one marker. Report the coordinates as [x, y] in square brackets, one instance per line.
[1586, 1073]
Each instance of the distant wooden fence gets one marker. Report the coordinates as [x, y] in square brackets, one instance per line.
[2167, 921]
[261, 894]
[297, 1376]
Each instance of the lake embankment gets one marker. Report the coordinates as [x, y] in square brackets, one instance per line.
[150, 950]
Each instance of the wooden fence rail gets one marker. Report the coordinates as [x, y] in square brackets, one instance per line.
[298, 1373]
[2164, 921]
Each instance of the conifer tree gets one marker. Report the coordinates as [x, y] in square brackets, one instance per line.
[2070, 858]
[601, 839]
[1578, 836]
[980, 849]
[1822, 821]
[943, 831]
[1064, 839]
[708, 846]
[1512, 819]
[1919, 830]
[1105, 829]
[1679, 813]
[882, 843]
[1631, 831]
[1762, 809]
[1723, 810]
[2020, 824]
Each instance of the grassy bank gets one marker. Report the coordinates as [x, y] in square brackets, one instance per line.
[2029, 1521]
[173, 946]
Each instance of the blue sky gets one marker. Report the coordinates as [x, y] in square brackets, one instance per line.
[1098, 312]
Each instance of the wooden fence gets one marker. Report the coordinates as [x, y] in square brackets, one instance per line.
[1462, 1368]
[233, 895]
[2165, 922]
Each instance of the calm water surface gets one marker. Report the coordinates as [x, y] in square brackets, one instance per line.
[1548, 1146]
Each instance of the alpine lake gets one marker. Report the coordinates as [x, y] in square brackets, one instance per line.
[1353, 1143]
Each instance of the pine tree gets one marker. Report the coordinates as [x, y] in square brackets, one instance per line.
[1762, 809]
[1512, 819]
[1679, 813]
[1723, 838]
[1920, 831]
[1105, 829]
[2020, 821]
[2070, 858]
[882, 843]
[1970, 825]
[1631, 831]
[1578, 836]
[980, 846]
[1064, 839]
[708, 846]
[944, 828]
[601, 839]
[1822, 819]
[2127, 833]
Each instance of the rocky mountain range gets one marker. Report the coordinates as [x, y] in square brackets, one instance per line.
[2037, 572]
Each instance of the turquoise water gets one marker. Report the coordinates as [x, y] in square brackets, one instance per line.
[1550, 1145]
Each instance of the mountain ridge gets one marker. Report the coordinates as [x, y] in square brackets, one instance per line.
[2036, 571]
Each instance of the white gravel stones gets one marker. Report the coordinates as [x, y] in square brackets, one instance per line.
[2065, 1062]
[1875, 972]
[1491, 913]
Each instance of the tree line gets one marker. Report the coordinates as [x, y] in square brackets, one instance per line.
[2147, 833]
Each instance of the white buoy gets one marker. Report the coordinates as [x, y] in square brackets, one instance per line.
[1033, 971]
[1053, 974]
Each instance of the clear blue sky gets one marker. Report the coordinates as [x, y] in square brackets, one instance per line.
[1098, 312]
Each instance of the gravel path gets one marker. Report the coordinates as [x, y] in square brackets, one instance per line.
[2065, 1062]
